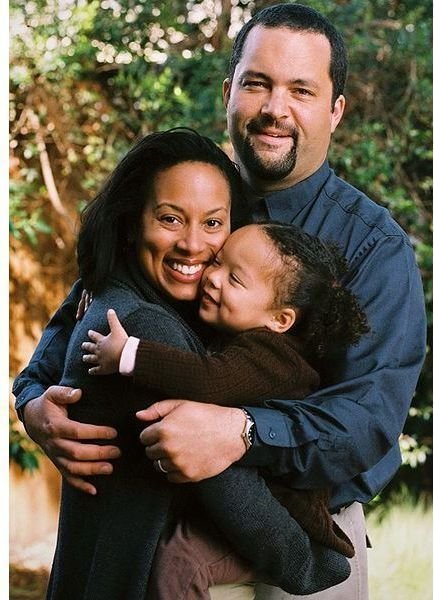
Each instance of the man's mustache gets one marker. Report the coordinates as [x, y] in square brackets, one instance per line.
[264, 122]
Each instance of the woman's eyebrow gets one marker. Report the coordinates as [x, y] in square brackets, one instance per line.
[179, 208]
[215, 210]
[167, 205]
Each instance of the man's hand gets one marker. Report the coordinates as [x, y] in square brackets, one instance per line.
[193, 441]
[47, 423]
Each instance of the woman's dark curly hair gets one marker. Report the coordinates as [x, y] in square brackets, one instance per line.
[329, 318]
[112, 223]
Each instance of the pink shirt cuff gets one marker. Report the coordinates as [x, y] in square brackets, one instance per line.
[128, 356]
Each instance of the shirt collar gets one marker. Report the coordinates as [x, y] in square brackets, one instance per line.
[295, 198]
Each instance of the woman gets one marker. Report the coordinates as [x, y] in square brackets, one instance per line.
[143, 245]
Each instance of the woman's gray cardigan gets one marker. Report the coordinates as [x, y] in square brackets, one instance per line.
[106, 542]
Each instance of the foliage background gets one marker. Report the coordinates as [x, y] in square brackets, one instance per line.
[89, 76]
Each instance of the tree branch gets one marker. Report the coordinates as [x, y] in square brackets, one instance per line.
[47, 173]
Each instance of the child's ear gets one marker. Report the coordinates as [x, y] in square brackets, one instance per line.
[282, 320]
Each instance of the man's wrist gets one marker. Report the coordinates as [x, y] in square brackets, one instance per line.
[21, 410]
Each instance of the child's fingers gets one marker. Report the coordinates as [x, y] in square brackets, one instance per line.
[113, 321]
[90, 358]
[94, 371]
[94, 335]
[89, 347]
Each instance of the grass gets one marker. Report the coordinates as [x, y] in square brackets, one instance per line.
[400, 561]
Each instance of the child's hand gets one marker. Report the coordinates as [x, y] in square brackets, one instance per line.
[105, 350]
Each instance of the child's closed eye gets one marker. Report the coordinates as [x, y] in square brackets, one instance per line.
[235, 279]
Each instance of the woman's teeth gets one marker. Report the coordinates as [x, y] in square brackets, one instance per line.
[185, 269]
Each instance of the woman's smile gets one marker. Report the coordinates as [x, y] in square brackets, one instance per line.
[187, 271]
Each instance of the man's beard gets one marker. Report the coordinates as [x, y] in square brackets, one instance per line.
[268, 170]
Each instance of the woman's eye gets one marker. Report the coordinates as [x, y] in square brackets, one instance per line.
[170, 219]
[213, 223]
[216, 262]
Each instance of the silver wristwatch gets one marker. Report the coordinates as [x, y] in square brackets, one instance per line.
[248, 431]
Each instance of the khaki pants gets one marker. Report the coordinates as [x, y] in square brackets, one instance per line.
[352, 521]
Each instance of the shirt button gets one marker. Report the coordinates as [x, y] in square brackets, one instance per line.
[272, 434]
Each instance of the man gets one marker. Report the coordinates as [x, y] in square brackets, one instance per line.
[284, 99]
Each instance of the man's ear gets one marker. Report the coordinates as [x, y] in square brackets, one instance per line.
[226, 90]
[337, 112]
[282, 320]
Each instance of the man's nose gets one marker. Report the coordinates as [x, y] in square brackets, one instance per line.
[277, 104]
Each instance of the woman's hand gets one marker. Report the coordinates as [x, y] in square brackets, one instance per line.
[63, 440]
[83, 305]
[105, 350]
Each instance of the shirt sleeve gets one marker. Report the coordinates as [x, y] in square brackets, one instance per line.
[352, 427]
[46, 364]
[128, 356]
[255, 365]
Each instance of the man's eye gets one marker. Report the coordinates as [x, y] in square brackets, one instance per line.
[303, 92]
[252, 83]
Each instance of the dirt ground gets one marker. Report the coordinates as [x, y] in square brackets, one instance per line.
[29, 568]
[26, 584]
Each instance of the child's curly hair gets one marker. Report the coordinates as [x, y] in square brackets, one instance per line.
[329, 318]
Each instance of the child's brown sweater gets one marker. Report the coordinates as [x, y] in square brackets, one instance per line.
[254, 366]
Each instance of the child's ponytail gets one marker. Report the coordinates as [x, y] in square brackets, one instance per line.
[336, 323]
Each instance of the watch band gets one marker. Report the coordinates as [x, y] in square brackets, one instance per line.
[248, 431]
